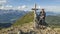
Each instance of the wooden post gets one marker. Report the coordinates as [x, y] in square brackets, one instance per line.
[35, 14]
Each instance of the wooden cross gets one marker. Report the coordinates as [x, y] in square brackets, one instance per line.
[35, 14]
[35, 9]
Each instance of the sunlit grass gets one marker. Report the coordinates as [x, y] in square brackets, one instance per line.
[25, 19]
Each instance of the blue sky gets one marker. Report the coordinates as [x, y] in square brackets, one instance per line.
[31, 2]
[49, 5]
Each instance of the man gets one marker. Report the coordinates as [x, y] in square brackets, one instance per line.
[42, 17]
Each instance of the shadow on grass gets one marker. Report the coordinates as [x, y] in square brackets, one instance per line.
[5, 25]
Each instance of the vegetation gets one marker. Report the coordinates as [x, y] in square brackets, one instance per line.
[25, 19]
[52, 21]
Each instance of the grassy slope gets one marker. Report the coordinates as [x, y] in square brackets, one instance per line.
[25, 19]
[51, 20]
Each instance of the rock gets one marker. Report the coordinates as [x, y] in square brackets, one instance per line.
[28, 29]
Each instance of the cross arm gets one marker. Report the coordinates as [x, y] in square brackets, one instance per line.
[34, 9]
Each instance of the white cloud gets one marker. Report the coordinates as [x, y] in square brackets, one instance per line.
[3, 2]
[1, 7]
[7, 7]
[23, 7]
[51, 8]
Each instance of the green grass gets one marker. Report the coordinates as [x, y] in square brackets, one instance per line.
[52, 21]
[25, 19]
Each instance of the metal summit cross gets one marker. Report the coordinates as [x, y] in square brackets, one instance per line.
[35, 14]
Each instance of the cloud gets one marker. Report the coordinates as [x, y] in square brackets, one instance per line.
[3, 2]
[51, 8]
[23, 7]
[7, 7]
[1, 7]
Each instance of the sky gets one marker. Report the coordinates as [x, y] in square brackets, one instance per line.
[48, 5]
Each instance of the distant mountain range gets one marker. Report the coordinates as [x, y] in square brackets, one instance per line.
[51, 13]
[10, 16]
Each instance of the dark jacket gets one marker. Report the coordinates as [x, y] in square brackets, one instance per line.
[42, 14]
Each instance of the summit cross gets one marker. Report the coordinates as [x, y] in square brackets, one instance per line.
[35, 14]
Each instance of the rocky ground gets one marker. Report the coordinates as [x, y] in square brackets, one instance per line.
[29, 29]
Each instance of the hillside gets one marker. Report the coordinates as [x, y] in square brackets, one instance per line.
[9, 16]
[53, 21]
[25, 19]
[29, 29]
[24, 25]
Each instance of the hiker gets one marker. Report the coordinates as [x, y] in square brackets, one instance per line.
[42, 17]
